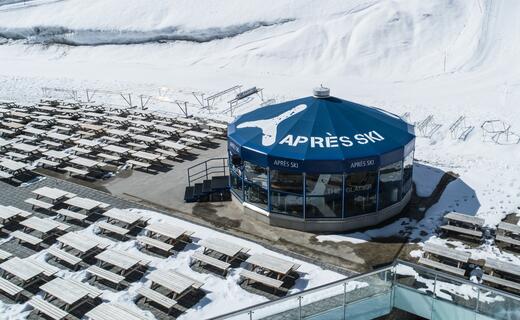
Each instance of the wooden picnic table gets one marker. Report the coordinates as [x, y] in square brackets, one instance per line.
[7, 213]
[173, 145]
[229, 249]
[24, 147]
[13, 125]
[143, 138]
[81, 243]
[116, 149]
[191, 122]
[59, 155]
[44, 226]
[116, 119]
[52, 193]
[164, 128]
[12, 166]
[21, 269]
[119, 259]
[277, 265]
[84, 203]
[117, 132]
[84, 162]
[91, 127]
[66, 122]
[217, 125]
[176, 282]
[198, 135]
[443, 251]
[58, 136]
[167, 230]
[65, 291]
[464, 218]
[146, 155]
[503, 266]
[141, 123]
[88, 143]
[111, 311]
[34, 131]
[5, 143]
[126, 217]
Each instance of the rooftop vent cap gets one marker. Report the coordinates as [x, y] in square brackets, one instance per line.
[321, 92]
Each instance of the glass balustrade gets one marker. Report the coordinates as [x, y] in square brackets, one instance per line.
[403, 285]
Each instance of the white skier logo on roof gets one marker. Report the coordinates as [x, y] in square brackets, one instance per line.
[269, 127]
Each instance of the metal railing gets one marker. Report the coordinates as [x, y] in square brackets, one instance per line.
[377, 290]
[207, 169]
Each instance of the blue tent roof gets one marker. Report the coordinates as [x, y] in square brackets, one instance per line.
[320, 135]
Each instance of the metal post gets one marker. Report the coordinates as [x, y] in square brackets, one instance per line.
[402, 179]
[344, 300]
[478, 300]
[300, 307]
[343, 206]
[250, 315]
[268, 189]
[304, 195]
[377, 188]
[433, 297]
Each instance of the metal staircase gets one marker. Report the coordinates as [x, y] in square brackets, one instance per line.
[208, 181]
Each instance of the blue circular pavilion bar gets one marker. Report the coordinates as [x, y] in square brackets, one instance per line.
[321, 164]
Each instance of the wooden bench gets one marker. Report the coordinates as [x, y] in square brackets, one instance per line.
[256, 277]
[501, 282]
[64, 256]
[48, 163]
[105, 274]
[38, 203]
[103, 225]
[21, 213]
[62, 226]
[470, 232]
[200, 257]
[137, 146]
[109, 157]
[507, 240]
[4, 255]
[10, 288]
[167, 153]
[151, 242]
[16, 155]
[214, 132]
[139, 164]
[5, 175]
[42, 306]
[93, 292]
[142, 262]
[71, 214]
[24, 237]
[48, 270]
[156, 297]
[442, 266]
[51, 143]
[76, 171]
[190, 141]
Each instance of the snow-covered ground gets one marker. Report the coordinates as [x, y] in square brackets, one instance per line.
[441, 58]
[446, 58]
[222, 295]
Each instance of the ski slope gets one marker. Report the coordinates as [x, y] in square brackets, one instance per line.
[446, 58]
